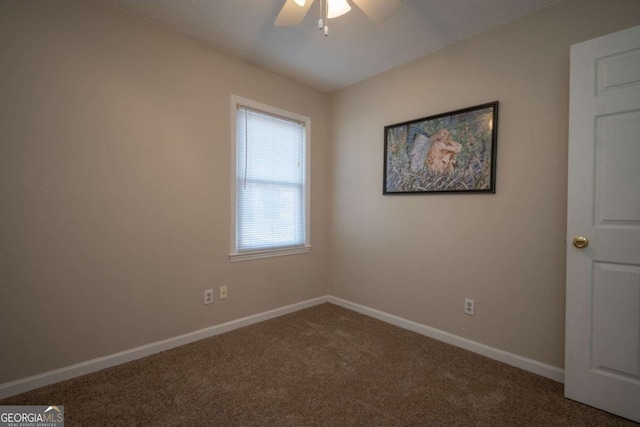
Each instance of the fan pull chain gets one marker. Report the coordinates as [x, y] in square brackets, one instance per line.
[326, 18]
[323, 21]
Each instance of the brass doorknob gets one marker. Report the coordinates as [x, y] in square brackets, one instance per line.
[580, 242]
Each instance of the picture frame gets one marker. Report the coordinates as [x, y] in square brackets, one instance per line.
[452, 152]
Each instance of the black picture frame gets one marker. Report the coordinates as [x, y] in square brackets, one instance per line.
[452, 152]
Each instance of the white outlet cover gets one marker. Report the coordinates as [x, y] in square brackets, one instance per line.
[208, 296]
[469, 306]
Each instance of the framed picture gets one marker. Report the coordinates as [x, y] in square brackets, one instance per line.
[452, 152]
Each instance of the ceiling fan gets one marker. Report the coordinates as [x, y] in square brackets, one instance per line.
[294, 11]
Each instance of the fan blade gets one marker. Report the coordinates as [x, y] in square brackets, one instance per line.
[292, 14]
[378, 10]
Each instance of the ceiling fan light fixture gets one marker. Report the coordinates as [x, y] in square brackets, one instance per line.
[300, 3]
[336, 8]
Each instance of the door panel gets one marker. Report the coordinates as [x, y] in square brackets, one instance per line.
[618, 71]
[617, 169]
[616, 301]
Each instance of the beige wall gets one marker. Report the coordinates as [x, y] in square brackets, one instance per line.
[114, 186]
[418, 257]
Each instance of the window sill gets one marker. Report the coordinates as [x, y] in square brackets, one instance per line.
[247, 256]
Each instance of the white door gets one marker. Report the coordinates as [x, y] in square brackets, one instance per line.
[602, 363]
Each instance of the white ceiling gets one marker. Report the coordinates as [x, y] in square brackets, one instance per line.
[356, 48]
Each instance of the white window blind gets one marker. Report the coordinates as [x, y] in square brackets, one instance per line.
[270, 182]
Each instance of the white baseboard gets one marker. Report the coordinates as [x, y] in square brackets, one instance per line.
[25, 384]
[531, 365]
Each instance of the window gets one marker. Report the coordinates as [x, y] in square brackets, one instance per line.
[271, 181]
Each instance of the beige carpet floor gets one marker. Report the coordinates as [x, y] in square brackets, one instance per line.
[323, 366]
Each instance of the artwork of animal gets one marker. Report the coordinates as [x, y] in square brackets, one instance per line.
[442, 155]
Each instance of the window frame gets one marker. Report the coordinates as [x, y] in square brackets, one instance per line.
[239, 102]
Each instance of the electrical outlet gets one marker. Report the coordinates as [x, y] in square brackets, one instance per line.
[469, 307]
[208, 296]
[223, 292]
